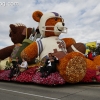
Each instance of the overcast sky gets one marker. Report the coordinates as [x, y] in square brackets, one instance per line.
[82, 17]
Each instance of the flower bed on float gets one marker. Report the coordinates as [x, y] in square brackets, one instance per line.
[31, 75]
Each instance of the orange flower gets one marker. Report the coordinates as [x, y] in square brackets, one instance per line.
[69, 41]
[30, 52]
[97, 60]
[90, 64]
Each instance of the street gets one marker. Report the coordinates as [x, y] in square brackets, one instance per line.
[31, 91]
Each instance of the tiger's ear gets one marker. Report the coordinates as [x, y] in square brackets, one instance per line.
[37, 15]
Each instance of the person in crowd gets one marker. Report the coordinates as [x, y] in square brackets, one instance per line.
[14, 68]
[23, 66]
[90, 56]
[49, 66]
[18, 63]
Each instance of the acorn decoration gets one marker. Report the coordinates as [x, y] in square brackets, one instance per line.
[73, 67]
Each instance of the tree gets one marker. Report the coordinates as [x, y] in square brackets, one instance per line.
[92, 48]
[97, 51]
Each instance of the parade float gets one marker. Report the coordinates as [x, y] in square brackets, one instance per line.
[73, 66]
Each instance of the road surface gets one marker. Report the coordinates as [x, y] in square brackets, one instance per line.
[20, 91]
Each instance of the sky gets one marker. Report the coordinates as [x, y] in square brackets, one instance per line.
[82, 17]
